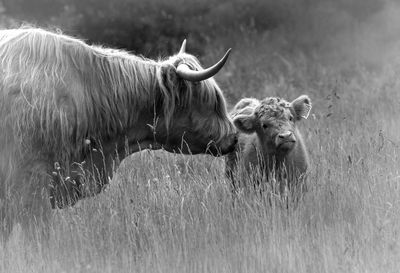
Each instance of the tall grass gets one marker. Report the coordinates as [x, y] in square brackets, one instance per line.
[175, 213]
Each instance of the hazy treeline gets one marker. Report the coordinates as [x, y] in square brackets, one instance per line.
[271, 40]
[363, 28]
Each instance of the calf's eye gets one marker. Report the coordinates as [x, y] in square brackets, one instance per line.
[291, 118]
[265, 126]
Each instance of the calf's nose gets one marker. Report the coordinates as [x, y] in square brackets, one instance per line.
[287, 136]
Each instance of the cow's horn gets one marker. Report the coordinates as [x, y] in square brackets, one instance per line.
[183, 47]
[188, 74]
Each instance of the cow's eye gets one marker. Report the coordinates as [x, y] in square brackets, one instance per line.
[265, 126]
[291, 118]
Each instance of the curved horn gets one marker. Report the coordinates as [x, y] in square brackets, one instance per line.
[186, 73]
[183, 47]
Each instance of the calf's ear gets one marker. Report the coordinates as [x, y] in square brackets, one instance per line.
[246, 102]
[301, 107]
[245, 123]
[244, 106]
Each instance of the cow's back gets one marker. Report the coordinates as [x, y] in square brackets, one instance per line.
[244, 163]
[248, 150]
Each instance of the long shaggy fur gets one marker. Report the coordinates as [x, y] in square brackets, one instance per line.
[56, 91]
[41, 71]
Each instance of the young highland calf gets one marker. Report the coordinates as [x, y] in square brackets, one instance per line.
[269, 144]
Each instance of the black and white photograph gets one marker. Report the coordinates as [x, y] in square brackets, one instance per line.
[188, 136]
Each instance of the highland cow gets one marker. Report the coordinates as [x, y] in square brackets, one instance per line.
[270, 145]
[86, 107]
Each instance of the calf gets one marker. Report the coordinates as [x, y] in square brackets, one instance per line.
[269, 143]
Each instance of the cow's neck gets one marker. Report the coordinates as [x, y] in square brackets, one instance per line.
[127, 130]
[121, 96]
[134, 106]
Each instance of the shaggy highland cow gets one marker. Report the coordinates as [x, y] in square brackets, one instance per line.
[86, 107]
[270, 144]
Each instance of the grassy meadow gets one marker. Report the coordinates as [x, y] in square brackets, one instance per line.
[173, 213]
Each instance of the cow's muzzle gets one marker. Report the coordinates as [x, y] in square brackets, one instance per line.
[227, 146]
[285, 140]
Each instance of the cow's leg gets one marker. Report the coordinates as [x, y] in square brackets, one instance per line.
[231, 171]
[28, 203]
[229, 174]
[86, 179]
[4, 229]
[5, 221]
[64, 191]
[36, 205]
[90, 177]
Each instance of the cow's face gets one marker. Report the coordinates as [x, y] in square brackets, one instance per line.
[194, 120]
[274, 121]
[201, 126]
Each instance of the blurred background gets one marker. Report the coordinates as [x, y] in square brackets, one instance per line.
[273, 41]
[171, 213]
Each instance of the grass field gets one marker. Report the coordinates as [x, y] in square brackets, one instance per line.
[174, 213]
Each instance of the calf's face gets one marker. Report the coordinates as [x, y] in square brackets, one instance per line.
[273, 120]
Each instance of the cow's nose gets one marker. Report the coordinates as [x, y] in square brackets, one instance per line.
[235, 140]
[286, 135]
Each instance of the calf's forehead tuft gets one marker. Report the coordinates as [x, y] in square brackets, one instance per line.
[273, 107]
